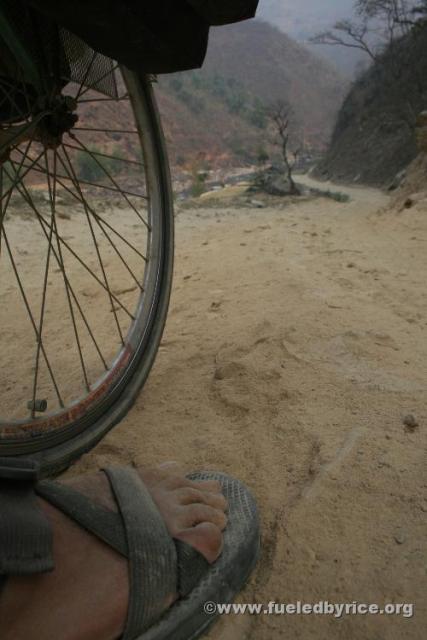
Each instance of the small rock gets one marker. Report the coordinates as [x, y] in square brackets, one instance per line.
[273, 180]
[351, 265]
[414, 199]
[64, 215]
[257, 204]
[398, 180]
[219, 374]
[410, 422]
[399, 538]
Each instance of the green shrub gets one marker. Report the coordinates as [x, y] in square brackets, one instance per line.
[93, 167]
[338, 196]
[8, 176]
[198, 185]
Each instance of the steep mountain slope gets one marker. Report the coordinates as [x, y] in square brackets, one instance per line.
[374, 137]
[217, 111]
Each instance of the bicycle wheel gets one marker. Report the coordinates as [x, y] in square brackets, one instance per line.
[86, 253]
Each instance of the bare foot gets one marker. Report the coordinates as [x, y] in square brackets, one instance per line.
[86, 597]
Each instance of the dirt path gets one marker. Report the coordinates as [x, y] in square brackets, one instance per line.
[359, 194]
[295, 346]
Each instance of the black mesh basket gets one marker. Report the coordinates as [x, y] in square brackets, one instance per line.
[60, 56]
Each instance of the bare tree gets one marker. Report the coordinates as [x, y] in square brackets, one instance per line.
[347, 34]
[420, 10]
[418, 16]
[280, 115]
[377, 26]
[385, 31]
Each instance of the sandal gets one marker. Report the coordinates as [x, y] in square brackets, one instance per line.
[159, 565]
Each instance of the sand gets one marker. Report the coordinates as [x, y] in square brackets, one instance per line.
[295, 346]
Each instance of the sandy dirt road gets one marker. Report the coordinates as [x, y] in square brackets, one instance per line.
[296, 344]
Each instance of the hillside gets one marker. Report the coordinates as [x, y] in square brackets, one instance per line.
[374, 137]
[217, 112]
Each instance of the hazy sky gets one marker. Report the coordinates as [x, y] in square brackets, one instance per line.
[302, 19]
[305, 16]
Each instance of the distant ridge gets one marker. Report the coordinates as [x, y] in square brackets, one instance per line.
[217, 112]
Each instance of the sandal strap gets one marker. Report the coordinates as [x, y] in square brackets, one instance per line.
[192, 567]
[26, 541]
[94, 518]
[158, 566]
[152, 553]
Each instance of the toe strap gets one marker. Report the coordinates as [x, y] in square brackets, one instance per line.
[152, 554]
[192, 567]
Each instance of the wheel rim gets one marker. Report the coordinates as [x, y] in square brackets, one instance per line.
[85, 275]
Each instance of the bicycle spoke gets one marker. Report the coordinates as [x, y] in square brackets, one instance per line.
[105, 155]
[119, 131]
[9, 99]
[97, 186]
[97, 249]
[28, 199]
[20, 177]
[86, 75]
[121, 99]
[84, 265]
[123, 193]
[1, 206]
[88, 269]
[8, 194]
[80, 291]
[100, 220]
[40, 347]
[43, 304]
[30, 315]
[83, 201]
[27, 100]
[15, 89]
[67, 292]
[95, 83]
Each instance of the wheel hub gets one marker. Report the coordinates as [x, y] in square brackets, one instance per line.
[60, 119]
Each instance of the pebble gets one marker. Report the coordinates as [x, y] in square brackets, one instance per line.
[257, 204]
[399, 538]
[219, 374]
[410, 422]
[63, 215]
